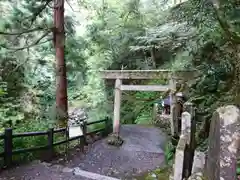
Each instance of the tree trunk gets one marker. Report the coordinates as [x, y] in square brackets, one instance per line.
[61, 79]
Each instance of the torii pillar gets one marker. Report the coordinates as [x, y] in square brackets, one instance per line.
[117, 106]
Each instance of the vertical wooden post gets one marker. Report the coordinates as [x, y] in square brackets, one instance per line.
[8, 147]
[83, 140]
[50, 144]
[173, 110]
[117, 105]
[67, 143]
[107, 126]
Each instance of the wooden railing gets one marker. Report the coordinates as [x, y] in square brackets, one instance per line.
[8, 137]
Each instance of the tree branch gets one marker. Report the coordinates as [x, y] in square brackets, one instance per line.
[32, 19]
[23, 32]
[40, 10]
[226, 28]
[18, 66]
[37, 42]
[72, 7]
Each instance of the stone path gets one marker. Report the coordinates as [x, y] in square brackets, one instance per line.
[142, 151]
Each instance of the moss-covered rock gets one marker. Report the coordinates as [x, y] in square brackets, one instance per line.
[114, 140]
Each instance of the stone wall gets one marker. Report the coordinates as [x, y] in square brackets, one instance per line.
[224, 142]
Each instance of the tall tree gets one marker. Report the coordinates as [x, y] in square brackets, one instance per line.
[61, 78]
[31, 25]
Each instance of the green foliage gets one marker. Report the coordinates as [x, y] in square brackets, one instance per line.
[159, 173]
[238, 168]
[169, 153]
[20, 143]
[27, 72]
[137, 106]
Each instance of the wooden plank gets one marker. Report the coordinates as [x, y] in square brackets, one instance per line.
[144, 87]
[147, 74]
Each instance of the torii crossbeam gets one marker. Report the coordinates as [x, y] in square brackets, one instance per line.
[171, 76]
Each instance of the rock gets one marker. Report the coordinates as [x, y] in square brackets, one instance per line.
[77, 116]
[36, 162]
[46, 164]
[67, 170]
[89, 139]
[154, 175]
[196, 176]
[57, 166]
[114, 140]
[97, 137]
[198, 162]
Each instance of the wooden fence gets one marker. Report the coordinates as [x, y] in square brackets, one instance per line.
[8, 137]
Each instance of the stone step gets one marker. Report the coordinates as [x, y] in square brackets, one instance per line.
[89, 175]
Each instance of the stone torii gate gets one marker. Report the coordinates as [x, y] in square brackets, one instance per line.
[172, 77]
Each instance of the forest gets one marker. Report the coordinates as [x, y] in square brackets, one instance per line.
[200, 35]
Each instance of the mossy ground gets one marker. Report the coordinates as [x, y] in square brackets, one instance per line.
[157, 174]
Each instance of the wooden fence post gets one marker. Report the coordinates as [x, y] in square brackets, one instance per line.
[50, 144]
[8, 147]
[105, 133]
[83, 140]
[107, 126]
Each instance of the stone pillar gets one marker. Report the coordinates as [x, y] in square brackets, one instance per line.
[190, 130]
[173, 106]
[198, 162]
[224, 140]
[117, 105]
[188, 123]
[185, 150]
[186, 146]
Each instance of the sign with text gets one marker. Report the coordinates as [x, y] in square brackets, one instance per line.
[75, 131]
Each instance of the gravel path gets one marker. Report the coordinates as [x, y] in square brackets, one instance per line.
[142, 151]
[39, 171]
